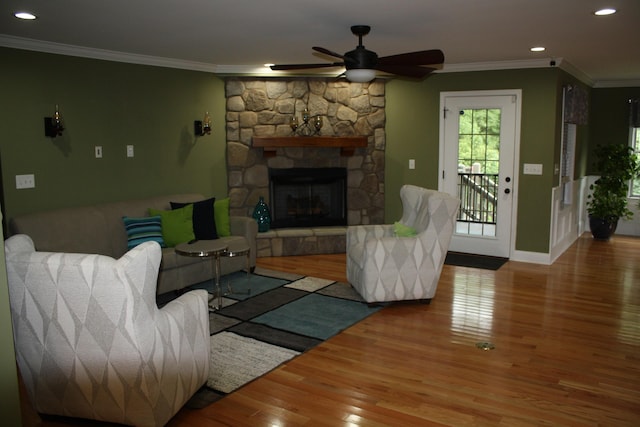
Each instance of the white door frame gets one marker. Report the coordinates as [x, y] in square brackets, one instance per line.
[517, 93]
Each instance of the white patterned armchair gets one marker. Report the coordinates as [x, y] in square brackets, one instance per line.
[91, 342]
[384, 267]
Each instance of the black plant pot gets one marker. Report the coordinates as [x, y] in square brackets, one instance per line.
[602, 229]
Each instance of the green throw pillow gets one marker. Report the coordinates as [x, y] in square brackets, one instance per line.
[402, 230]
[177, 225]
[221, 214]
[204, 223]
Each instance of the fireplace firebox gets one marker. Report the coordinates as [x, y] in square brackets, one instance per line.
[308, 197]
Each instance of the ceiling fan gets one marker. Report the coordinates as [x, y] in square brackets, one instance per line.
[361, 64]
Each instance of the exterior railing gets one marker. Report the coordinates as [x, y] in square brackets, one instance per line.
[478, 197]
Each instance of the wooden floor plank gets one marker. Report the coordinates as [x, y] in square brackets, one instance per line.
[567, 352]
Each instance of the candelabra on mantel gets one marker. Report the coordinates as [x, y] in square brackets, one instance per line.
[310, 125]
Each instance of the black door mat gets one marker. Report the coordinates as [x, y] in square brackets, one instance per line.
[475, 261]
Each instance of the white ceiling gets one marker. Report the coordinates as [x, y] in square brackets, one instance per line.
[228, 36]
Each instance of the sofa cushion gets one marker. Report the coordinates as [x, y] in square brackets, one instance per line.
[177, 224]
[221, 213]
[143, 229]
[204, 224]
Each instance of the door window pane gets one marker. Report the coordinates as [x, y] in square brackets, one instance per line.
[478, 167]
[635, 142]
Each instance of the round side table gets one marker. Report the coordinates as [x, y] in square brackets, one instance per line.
[213, 249]
[237, 248]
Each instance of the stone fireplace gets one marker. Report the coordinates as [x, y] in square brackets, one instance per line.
[260, 107]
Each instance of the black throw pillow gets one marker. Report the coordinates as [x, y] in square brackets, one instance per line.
[204, 224]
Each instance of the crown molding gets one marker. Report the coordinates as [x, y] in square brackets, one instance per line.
[107, 55]
[575, 72]
[617, 83]
[497, 65]
[519, 64]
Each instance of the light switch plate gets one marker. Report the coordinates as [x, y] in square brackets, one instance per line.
[129, 150]
[532, 169]
[25, 181]
[412, 163]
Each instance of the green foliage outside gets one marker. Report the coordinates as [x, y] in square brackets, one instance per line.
[479, 140]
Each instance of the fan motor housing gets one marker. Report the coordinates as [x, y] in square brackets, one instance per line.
[360, 58]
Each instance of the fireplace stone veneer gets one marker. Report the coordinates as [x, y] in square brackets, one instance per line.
[263, 108]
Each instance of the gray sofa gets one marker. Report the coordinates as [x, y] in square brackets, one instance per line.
[99, 229]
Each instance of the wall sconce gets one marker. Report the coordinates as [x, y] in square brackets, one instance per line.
[310, 125]
[202, 128]
[53, 126]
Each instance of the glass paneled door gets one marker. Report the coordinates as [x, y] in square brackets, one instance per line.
[478, 145]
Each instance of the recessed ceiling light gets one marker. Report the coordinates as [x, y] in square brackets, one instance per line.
[25, 15]
[605, 12]
[538, 49]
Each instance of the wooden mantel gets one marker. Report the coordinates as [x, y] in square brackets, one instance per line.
[347, 144]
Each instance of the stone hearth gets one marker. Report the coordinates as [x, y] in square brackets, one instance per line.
[263, 108]
[302, 241]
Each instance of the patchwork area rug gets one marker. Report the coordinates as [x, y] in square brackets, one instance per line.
[269, 318]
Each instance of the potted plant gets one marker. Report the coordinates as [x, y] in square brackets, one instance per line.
[617, 164]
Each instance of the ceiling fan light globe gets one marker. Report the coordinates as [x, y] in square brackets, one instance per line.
[361, 75]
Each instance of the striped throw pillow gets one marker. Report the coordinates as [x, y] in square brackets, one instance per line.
[141, 230]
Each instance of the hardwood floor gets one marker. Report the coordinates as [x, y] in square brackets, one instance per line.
[567, 352]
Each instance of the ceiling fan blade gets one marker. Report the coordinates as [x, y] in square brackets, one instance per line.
[283, 67]
[422, 57]
[346, 58]
[327, 52]
[413, 71]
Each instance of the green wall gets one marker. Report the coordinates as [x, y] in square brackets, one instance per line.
[609, 119]
[413, 132]
[9, 391]
[112, 105]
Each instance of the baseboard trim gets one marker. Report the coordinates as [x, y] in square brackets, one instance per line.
[531, 257]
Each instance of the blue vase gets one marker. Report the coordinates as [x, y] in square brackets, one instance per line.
[262, 216]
